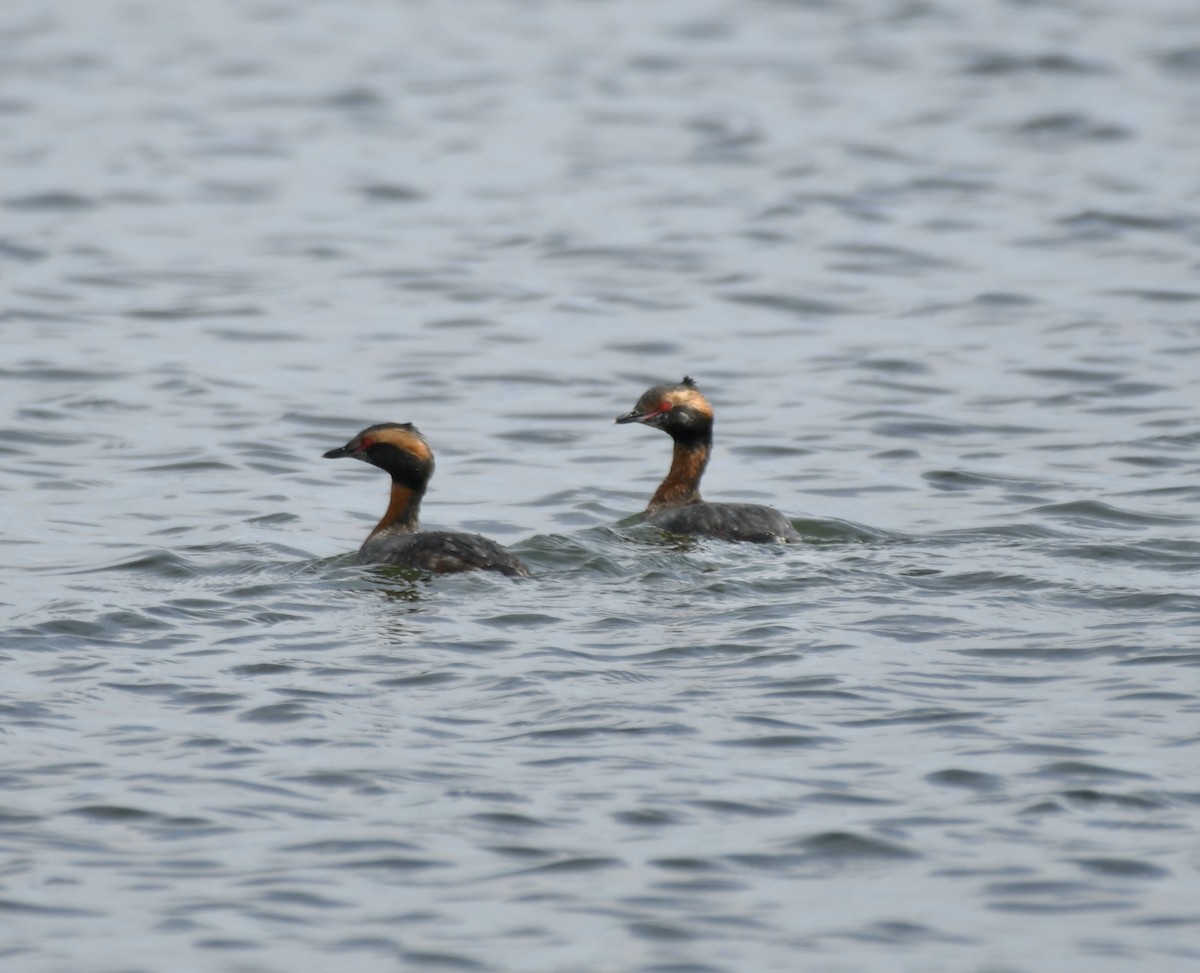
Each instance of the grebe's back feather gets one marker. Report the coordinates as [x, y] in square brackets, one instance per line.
[730, 521]
[440, 552]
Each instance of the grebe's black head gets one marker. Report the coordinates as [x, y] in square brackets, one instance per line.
[396, 447]
[679, 410]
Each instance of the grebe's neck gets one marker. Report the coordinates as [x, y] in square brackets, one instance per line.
[403, 512]
[682, 483]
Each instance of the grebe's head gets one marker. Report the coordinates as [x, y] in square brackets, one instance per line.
[679, 410]
[396, 447]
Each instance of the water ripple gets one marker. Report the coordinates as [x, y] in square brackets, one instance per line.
[939, 294]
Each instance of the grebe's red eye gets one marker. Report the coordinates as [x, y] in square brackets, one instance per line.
[664, 406]
[367, 443]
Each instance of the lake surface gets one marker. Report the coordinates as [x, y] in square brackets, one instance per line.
[934, 264]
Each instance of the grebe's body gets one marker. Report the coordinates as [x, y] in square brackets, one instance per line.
[685, 415]
[402, 452]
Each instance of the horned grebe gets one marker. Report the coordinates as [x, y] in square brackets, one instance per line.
[685, 415]
[401, 451]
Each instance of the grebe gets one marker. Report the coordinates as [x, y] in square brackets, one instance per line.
[685, 415]
[401, 451]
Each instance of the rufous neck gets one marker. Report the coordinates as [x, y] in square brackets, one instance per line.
[682, 483]
[403, 512]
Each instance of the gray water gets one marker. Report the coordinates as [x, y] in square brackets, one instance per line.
[935, 265]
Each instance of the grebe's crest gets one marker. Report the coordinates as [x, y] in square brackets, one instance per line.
[403, 436]
[657, 404]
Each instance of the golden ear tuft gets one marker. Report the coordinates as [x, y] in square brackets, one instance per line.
[402, 435]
